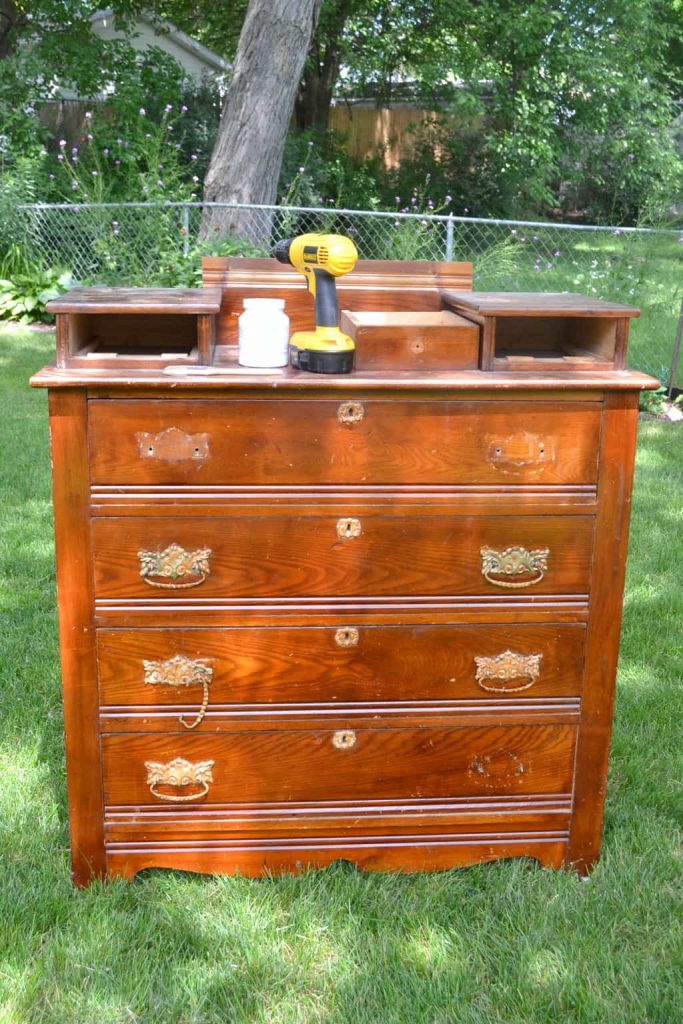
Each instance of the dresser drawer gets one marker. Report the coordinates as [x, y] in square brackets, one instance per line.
[252, 765]
[305, 665]
[318, 442]
[280, 555]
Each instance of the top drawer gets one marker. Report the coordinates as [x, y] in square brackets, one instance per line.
[322, 441]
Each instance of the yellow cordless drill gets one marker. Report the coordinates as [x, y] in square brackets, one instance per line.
[321, 258]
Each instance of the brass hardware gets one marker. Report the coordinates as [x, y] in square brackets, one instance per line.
[179, 773]
[347, 636]
[348, 528]
[507, 666]
[173, 445]
[520, 451]
[344, 739]
[514, 562]
[181, 671]
[350, 412]
[174, 563]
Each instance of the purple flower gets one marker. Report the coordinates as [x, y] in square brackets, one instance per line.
[119, 142]
[193, 195]
[114, 223]
[142, 111]
[466, 209]
[60, 157]
[169, 127]
[74, 149]
[115, 231]
[631, 156]
[397, 198]
[168, 108]
[557, 253]
[52, 178]
[448, 199]
[310, 144]
[105, 151]
[195, 178]
[148, 135]
[513, 231]
[62, 143]
[88, 115]
[74, 159]
[74, 186]
[413, 200]
[183, 109]
[89, 138]
[161, 167]
[301, 170]
[193, 157]
[94, 174]
[177, 145]
[160, 183]
[117, 163]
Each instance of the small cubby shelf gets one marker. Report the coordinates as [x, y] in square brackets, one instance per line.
[136, 327]
[546, 331]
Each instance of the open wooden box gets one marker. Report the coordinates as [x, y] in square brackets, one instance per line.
[546, 330]
[135, 327]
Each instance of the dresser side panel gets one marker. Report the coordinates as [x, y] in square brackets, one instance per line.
[70, 475]
[617, 455]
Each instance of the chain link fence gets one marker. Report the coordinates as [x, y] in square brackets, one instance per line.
[161, 244]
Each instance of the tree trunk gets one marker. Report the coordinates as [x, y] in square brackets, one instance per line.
[246, 160]
[10, 19]
[314, 98]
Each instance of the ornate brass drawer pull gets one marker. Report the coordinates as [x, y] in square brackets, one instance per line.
[344, 739]
[174, 563]
[506, 667]
[179, 773]
[514, 562]
[347, 636]
[348, 528]
[173, 445]
[181, 671]
[350, 412]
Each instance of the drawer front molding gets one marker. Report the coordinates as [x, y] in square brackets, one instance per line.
[513, 562]
[179, 774]
[181, 671]
[174, 563]
[173, 445]
[508, 667]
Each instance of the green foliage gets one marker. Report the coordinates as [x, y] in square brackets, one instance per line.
[27, 288]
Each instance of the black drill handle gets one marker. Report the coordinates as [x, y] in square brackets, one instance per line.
[326, 308]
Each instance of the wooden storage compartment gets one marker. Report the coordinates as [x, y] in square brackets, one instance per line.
[417, 340]
[132, 339]
[546, 331]
[136, 327]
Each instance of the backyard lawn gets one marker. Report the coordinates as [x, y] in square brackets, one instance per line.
[506, 943]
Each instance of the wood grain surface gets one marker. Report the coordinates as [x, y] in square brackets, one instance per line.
[280, 665]
[289, 556]
[284, 765]
[282, 441]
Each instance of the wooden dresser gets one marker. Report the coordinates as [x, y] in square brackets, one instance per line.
[372, 617]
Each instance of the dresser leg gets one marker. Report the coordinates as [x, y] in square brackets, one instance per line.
[70, 488]
[617, 453]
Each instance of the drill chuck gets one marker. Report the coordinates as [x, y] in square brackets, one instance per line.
[281, 250]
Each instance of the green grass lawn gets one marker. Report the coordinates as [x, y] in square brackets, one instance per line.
[506, 943]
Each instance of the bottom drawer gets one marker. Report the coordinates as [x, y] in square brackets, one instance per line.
[254, 766]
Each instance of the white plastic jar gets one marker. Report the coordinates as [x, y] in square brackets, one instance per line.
[263, 333]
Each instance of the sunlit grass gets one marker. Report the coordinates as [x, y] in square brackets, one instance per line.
[505, 943]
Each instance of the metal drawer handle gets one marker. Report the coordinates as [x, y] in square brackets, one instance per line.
[506, 667]
[179, 773]
[174, 563]
[348, 528]
[513, 562]
[181, 671]
[350, 412]
[347, 636]
[344, 739]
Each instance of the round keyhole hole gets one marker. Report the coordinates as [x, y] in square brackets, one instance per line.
[150, 450]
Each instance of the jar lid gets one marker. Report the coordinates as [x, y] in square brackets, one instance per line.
[267, 305]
